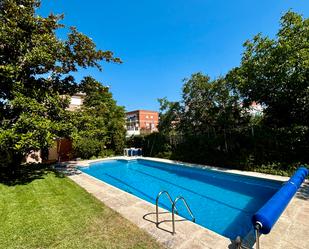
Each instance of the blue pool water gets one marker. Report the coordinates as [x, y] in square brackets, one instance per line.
[221, 202]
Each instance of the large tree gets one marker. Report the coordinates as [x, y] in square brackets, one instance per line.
[100, 122]
[275, 73]
[207, 116]
[209, 105]
[36, 70]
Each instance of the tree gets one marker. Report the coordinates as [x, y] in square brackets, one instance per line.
[275, 73]
[207, 119]
[35, 73]
[169, 116]
[100, 123]
[213, 121]
[209, 106]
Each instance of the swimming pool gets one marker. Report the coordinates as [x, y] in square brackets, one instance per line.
[221, 202]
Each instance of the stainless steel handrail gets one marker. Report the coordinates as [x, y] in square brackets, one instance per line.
[174, 207]
[257, 227]
[239, 245]
[157, 203]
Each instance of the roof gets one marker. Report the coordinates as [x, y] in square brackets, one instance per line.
[141, 111]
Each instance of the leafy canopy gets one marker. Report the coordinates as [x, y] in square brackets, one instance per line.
[213, 116]
[206, 105]
[100, 123]
[275, 73]
[36, 70]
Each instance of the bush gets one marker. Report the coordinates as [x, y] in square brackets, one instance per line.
[268, 151]
[87, 147]
[153, 145]
[106, 153]
[165, 154]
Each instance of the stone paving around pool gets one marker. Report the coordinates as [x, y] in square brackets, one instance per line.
[290, 231]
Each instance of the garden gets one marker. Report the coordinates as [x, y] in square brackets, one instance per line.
[215, 123]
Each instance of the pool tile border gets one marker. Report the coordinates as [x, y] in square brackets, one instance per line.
[285, 234]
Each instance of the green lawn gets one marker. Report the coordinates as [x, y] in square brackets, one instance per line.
[45, 210]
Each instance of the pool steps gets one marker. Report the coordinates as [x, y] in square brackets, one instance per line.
[174, 209]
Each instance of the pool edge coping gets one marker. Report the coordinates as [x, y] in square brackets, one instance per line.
[86, 163]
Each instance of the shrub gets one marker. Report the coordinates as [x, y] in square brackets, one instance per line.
[87, 147]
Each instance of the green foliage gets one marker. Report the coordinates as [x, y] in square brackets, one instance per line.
[275, 73]
[207, 119]
[154, 144]
[87, 147]
[278, 168]
[35, 73]
[209, 105]
[169, 115]
[99, 123]
[212, 123]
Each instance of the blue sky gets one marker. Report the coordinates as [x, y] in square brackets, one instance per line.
[162, 42]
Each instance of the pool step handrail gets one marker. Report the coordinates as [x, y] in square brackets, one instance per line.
[157, 203]
[174, 208]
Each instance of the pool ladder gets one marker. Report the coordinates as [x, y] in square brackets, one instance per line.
[174, 209]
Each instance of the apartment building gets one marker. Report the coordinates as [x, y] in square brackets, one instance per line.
[141, 122]
[76, 101]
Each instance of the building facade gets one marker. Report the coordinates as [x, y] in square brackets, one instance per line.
[76, 101]
[141, 122]
[255, 109]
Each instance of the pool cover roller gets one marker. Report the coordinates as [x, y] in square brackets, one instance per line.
[267, 216]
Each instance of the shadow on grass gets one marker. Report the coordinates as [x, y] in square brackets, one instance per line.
[26, 173]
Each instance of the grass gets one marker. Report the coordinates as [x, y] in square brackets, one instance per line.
[45, 210]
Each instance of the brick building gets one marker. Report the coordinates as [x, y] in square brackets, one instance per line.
[141, 122]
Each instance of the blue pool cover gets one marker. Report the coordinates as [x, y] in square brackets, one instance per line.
[267, 216]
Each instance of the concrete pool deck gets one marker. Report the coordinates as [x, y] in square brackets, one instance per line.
[290, 231]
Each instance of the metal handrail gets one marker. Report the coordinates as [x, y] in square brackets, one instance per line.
[174, 207]
[239, 245]
[257, 227]
[157, 203]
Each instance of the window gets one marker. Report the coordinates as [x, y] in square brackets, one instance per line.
[76, 100]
